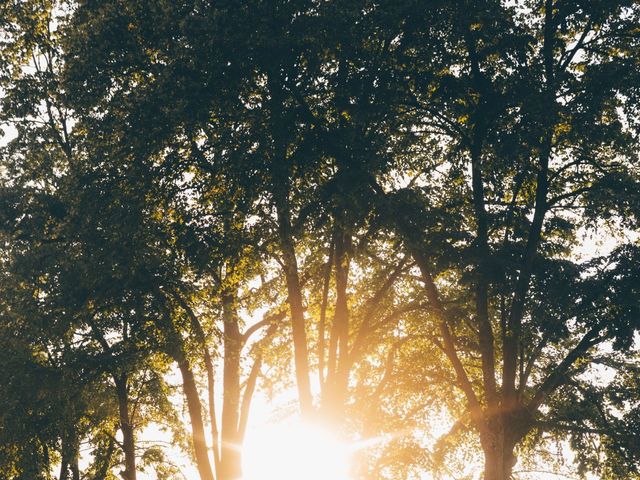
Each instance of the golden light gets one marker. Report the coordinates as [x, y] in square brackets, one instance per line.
[295, 451]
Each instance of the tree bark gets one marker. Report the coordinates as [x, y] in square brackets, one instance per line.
[247, 397]
[75, 467]
[197, 425]
[498, 446]
[338, 364]
[301, 354]
[323, 318]
[64, 460]
[498, 464]
[212, 411]
[500, 433]
[176, 349]
[126, 427]
[208, 363]
[230, 458]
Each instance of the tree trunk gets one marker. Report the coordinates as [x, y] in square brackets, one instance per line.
[298, 329]
[499, 436]
[69, 455]
[281, 190]
[126, 427]
[64, 461]
[338, 362]
[247, 397]
[195, 415]
[494, 468]
[176, 349]
[75, 467]
[498, 456]
[212, 411]
[230, 459]
[64, 470]
[208, 362]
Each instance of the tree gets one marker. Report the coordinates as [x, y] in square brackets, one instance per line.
[526, 107]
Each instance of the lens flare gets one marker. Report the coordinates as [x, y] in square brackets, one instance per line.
[294, 451]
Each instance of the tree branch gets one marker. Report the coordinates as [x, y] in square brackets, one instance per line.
[555, 378]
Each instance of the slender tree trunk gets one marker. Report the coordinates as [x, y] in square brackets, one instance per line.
[75, 467]
[208, 363]
[338, 363]
[301, 354]
[126, 427]
[247, 397]
[176, 350]
[212, 411]
[64, 461]
[195, 415]
[230, 459]
[64, 469]
[69, 455]
[323, 319]
[281, 190]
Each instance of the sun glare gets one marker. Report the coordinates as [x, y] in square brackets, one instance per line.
[294, 451]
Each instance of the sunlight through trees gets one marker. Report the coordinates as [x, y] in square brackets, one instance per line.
[342, 239]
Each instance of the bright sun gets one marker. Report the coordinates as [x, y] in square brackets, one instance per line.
[294, 451]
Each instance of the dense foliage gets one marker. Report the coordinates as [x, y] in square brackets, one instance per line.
[421, 215]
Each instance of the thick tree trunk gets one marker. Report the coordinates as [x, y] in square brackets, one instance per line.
[499, 436]
[498, 455]
[495, 466]
[230, 459]
[126, 427]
